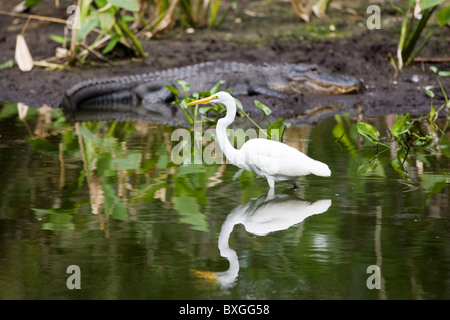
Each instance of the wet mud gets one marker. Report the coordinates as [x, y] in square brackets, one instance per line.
[361, 53]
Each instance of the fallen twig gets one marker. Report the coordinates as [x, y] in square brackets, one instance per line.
[447, 59]
[33, 16]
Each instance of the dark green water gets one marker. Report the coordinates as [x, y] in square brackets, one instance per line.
[140, 227]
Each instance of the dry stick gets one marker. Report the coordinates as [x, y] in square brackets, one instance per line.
[73, 40]
[35, 17]
[92, 48]
[95, 53]
[25, 26]
[32, 16]
[62, 172]
[432, 59]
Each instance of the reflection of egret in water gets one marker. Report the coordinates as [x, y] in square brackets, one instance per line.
[261, 216]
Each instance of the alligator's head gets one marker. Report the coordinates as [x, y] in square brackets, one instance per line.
[309, 78]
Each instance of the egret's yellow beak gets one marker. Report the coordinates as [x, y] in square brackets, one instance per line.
[202, 101]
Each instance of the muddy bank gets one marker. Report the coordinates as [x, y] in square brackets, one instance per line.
[364, 55]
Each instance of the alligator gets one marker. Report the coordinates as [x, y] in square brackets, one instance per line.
[149, 89]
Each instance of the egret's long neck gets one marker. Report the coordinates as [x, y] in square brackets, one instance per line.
[221, 134]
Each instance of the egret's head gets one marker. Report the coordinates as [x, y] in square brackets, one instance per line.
[219, 97]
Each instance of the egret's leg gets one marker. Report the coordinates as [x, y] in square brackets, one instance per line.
[295, 184]
[271, 182]
[270, 194]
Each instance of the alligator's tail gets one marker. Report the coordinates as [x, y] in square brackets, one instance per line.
[99, 91]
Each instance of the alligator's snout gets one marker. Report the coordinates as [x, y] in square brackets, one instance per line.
[317, 81]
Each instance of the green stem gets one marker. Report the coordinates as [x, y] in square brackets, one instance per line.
[420, 47]
[411, 43]
[254, 123]
[130, 35]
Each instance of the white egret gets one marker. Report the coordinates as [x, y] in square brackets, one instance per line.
[260, 217]
[269, 159]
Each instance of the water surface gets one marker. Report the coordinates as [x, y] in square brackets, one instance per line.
[107, 198]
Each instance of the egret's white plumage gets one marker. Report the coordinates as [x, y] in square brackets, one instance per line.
[270, 159]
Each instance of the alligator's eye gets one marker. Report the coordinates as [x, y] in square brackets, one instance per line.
[314, 70]
[301, 69]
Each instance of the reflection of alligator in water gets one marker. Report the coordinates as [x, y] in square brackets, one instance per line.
[148, 90]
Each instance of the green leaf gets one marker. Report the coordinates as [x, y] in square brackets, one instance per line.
[373, 167]
[127, 18]
[434, 183]
[214, 10]
[215, 88]
[57, 39]
[104, 165]
[184, 86]
[444, 146]
[131, 162]
[7, 64]
[444, 73]
[434, 69]
[113, 204]
[183, 104]
[86, 133]
[399, 9]
[31, 3]
[443, 16]
[368, 131]
[189, 209]
[44, 146]
[429, 93]
[267, 111]
[130, 5]
[425, 4]
[101, 3]
[8, 110]
[92, 21]
[56, 219]
[239, 104]
[402, 126]
[172, 89]
[276, 130]
[432, 115]
[106, 19]
[111, 44]
[397, 165]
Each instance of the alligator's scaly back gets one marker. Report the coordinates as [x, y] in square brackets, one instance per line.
[149, 89]
[126, 88]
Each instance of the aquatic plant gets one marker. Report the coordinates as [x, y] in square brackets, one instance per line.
[201, 13]
[420, 136]
[274, 128]
[104, 21]
[411, 29]
[100, 27]
[196, 113]
[211, 113]
[304, 9]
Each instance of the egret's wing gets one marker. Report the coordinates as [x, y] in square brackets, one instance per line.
[275, 215]
[267, 157]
